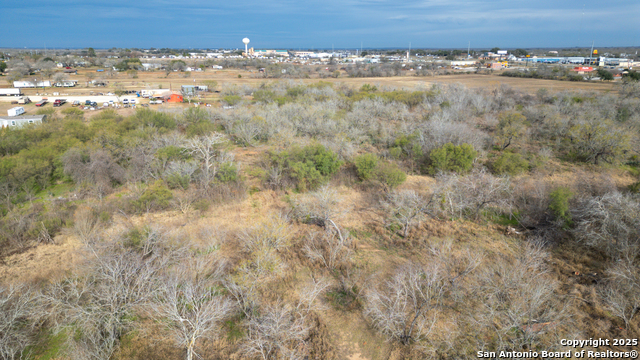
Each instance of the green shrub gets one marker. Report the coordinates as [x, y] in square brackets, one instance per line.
[559, 205]
[201, 205]
[449, 157]
[175, 181]
[46, 111]
[72, 112]
[134, 238]
[201, 128]
[232, 100]
[510, 164]
[161, 121]
[155, 197]
[408, 147]
[390, 175]
[366, 165]
[171, 153]
[228, 173]
[308, 167]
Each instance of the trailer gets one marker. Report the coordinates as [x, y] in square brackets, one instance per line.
[31, 84]
[147, 93]
[24, 100]
[66, 83]
[11, 92]
[41, 103]
[18, 110]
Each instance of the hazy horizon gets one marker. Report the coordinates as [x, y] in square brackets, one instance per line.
[348, 24]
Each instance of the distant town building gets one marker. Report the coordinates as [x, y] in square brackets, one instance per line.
[268, 52]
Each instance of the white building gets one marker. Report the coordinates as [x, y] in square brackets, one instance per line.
[152, 92]
[30, 84]
[151, 66]
[66, 83]
[463, 62]
[20, 121]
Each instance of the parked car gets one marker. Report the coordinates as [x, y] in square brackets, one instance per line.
[125, 101]
[132, 101]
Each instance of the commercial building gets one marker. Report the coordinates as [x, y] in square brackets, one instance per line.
[463, 62]
[269, 52]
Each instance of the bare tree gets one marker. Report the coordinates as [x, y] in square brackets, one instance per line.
[610, 222]
[248, 131]
[60, 77]
[621, 303]
[102, 304]
[511, 126]
[191, 306]
[405, 308]
[406, 207]
[518, 299]
[261, 243]
[329, 249]
[19, 317]
[321, 207]
[467, 195]
[307, 298]
[621, 293]
[592, 142]
[100, 170]
[278, 332]
[207, 150]
[273, 233]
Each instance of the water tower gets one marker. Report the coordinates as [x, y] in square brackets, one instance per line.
[246, 42]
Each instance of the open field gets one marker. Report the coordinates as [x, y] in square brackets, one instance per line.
[225, 78]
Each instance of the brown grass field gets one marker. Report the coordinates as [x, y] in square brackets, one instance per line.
[153, 80]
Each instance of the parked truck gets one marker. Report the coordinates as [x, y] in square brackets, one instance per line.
[18, 110]
[59, 102]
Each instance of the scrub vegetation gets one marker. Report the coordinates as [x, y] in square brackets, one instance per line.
[322, 221]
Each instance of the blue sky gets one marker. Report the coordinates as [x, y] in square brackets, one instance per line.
[319, 23]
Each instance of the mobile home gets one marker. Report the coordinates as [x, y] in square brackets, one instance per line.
[18, 110]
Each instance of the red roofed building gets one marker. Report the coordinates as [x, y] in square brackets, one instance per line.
[583, 69]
